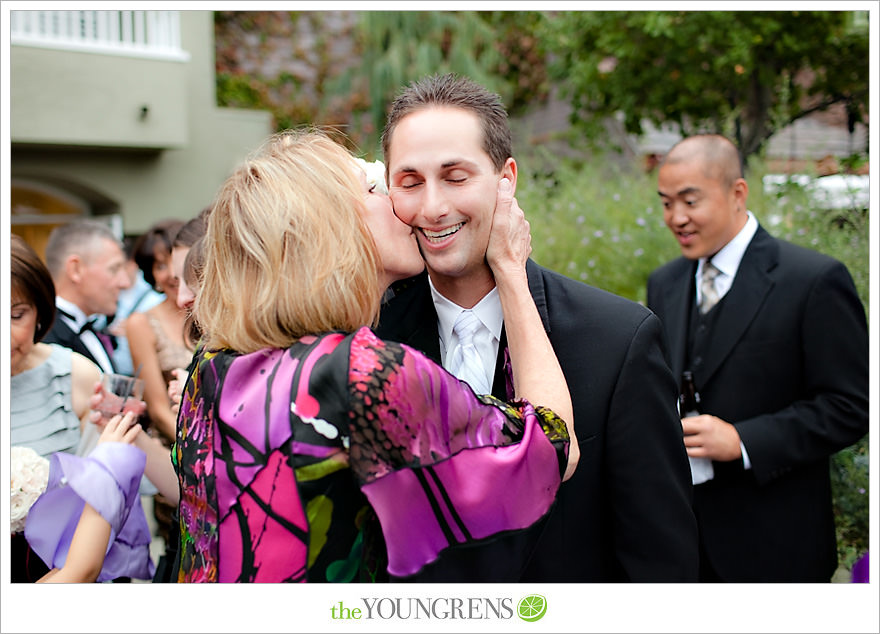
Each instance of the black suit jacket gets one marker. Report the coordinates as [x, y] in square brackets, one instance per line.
[787, 364]
[61, 334]
[626, 513]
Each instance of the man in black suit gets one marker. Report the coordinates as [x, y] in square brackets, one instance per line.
[88, 267]
[777, 343]
[626, 513]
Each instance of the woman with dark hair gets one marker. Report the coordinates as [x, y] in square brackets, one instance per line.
[49, 386]
[155, 337]
[159, 347]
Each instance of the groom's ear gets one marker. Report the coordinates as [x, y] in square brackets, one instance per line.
[509, 172]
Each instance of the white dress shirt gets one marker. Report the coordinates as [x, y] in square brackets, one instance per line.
[728, 258]
[727, 261]
[90, 339]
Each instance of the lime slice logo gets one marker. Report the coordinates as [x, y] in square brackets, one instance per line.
[532, 608]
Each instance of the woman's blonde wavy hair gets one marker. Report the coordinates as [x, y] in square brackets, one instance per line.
[286, 251]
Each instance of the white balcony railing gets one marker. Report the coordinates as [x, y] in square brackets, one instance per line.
[154, 34]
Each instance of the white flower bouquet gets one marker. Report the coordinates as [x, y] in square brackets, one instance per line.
[375, 174]
[29, 474]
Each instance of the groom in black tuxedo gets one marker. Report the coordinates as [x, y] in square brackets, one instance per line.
[777, 341]
[626, 513]
[88, 268]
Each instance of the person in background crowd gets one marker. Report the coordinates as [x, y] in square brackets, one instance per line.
[88, 523]
[49, 386]
[156, 336]
[626, 514]
[188, 241]
[777, 342]
[193, 265]
[162, 348]
[138, 297]
[88, 268]
[187, 262]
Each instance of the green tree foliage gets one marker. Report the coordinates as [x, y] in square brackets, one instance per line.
[523, 58]
[745, 74]
[284, 62]
[397, 47]
[498, 49]
[343, 69]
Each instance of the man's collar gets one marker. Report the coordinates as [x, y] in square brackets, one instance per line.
[488, 310]
[71, 312]
[728, 258]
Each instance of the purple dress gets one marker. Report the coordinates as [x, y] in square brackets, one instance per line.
[108, 479]
[290, 460]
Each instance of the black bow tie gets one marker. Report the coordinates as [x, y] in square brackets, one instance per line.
[89, 325]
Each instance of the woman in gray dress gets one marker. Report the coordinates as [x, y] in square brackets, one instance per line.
[49, 385]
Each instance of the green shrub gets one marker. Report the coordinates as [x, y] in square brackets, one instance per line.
[600, 221]
[843, 234]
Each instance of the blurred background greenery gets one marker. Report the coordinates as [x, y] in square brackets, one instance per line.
[590, 198]
[745, 74]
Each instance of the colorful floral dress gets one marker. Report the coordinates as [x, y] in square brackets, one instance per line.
[287, 457]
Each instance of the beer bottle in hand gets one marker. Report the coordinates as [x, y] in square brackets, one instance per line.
[689, 405]
[689, 401]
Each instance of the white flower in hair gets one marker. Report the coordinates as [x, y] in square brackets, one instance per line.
[375, 174]
[29, 475]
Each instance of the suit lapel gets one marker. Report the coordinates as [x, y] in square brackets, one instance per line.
[502, 384]
[539, 292]
[66, 337]
[742, 302]
[414, 318]
[678, 298]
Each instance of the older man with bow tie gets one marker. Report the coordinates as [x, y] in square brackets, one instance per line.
[88, 267]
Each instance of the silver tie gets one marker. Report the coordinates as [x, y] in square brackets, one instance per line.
[466, 362]
[707, 287]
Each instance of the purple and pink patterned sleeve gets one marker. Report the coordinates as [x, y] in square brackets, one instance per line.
[440, 465]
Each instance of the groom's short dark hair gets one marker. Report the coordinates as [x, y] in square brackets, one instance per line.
[455, 91]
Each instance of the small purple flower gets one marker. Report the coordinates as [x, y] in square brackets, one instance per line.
[860, 570]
